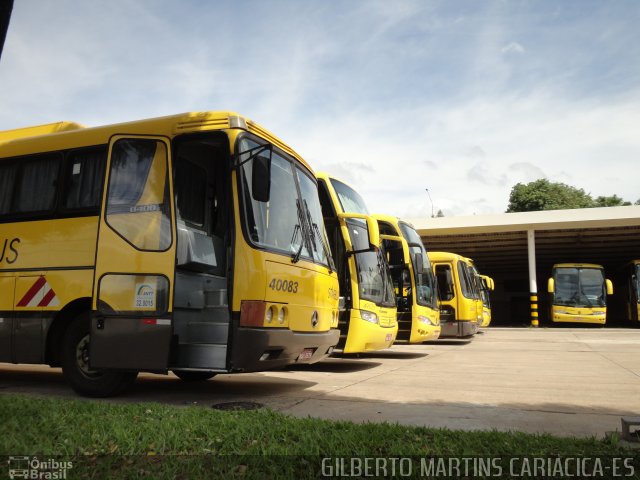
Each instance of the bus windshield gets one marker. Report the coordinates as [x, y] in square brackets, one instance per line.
[579, 287]
[287, 222]
[350, 200]
[425, 281]
[637, 282]
[374, 279]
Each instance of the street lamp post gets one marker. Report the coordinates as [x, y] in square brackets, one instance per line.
[432, 215]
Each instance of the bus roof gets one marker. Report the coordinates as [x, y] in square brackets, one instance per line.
[61, 135]
[445, 256]
[391, 219]
[37, 130]
[577, 265]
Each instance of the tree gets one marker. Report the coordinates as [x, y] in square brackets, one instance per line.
[612, 201]
[440, 214]
[545, 195]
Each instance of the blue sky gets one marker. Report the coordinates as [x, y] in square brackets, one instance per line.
[465, 98]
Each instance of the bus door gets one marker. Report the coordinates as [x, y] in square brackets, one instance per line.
[396, 252]
[131, 324]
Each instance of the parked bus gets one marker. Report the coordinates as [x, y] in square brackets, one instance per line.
[414, 282]
[579, 293]
[631, 290]
[486, 285]
[368, 320]
[192, 243]
[459, 292]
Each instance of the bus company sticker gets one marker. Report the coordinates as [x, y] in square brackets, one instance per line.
[145, 296]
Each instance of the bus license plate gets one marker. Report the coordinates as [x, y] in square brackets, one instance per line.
[306, 354]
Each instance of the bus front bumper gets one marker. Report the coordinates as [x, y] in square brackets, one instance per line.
[571, 318]
[458, 328]
[256, 349]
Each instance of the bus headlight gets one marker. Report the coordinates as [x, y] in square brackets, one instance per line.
[268, 316]
[561, 312]
[423, 319]
[599, 312]
[368, 316]
[281, 315]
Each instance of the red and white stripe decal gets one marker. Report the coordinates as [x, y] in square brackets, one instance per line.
[39, 295]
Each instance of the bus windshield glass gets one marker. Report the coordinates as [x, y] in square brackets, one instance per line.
[637, 286]
[350, 200]
[576, 287]
[425, 281]
[286, 222]
[313, 211]
[374, 277]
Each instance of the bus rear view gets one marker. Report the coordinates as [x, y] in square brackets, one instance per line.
[579, 293]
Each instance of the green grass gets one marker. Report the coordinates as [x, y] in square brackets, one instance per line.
[161, 441]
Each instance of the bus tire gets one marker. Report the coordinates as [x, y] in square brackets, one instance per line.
[193, 376]
[75, 367]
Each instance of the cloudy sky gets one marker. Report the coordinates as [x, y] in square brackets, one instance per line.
[465, 98]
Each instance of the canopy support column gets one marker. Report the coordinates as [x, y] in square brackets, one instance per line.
[533, 284]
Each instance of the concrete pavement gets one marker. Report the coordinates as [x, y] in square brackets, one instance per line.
[563, 381]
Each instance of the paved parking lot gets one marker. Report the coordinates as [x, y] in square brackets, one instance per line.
[563, 381]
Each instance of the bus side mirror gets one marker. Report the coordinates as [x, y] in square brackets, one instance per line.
[361, 226]
[261, 178]
[373, 230]
[550, 285]
[418, 263]
[609, 286]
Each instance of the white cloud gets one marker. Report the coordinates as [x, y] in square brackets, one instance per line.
[394, 97]
[513, 47]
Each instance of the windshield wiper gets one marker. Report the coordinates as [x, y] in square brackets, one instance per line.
[295, 256]
[303, 227]
[252, 152]
[387, 291]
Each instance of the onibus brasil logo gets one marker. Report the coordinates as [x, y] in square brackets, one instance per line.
[34, 468]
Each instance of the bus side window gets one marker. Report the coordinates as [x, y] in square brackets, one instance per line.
[35, 189]
[84, 177]
[8, 173]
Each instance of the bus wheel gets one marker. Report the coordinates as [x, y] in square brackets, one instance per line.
[193, 376]
[75, 364]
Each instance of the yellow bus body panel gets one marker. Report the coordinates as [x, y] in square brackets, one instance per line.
[63, 251]
[362, 336]
[254, 270]
[566, 314]
[420, 331]
[579, 314]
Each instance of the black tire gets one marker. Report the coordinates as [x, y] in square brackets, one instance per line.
[74, 359]
[193, 376]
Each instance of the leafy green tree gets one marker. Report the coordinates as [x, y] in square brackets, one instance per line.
[545, 195]
[612, 201]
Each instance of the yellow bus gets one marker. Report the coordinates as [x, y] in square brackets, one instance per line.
[459, 292]
[631, 290]
[192, 243]
[486, 285]
[579, 293]
[368, 319]
[414, 282]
